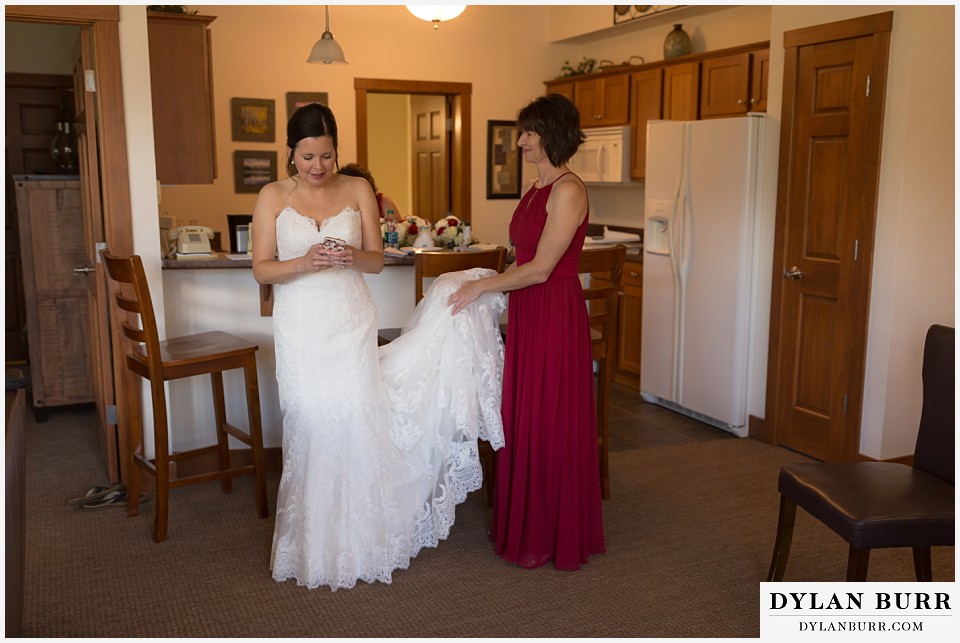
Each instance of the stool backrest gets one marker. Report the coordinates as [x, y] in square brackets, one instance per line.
[936, 439]
[603, 314]
[434, 264]
[132, 295]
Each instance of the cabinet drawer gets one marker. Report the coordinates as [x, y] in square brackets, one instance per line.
[632, 274]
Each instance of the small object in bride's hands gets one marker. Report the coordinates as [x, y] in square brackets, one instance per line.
[333, 244]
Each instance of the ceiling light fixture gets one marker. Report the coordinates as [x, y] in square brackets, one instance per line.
[436, 13]
[327, 50]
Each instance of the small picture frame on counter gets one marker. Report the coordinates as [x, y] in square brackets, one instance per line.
[504, 162]
[252, 119]
[253, 169]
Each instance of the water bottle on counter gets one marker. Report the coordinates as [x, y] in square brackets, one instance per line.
[393, 238]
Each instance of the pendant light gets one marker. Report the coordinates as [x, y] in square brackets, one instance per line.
[436, 13]
[327, 50]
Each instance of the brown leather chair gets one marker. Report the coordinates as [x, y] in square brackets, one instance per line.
[885, 504]
[602, 299]
[433, 264]
[160, 361]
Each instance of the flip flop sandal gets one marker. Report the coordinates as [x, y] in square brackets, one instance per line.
[112, 499]
[94, 493]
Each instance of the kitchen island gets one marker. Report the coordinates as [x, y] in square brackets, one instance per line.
[221, 294]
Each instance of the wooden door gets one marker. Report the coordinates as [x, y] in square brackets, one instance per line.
[430, 157]
[829, 166]
[32, 106]
[93, 275]
[52, 245]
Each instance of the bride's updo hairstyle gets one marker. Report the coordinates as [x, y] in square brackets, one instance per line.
[310, 121]
[556, 119]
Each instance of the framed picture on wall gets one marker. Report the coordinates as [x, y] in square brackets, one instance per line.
[296, 100]
[503, 160]
[252, 119]
[253, 169]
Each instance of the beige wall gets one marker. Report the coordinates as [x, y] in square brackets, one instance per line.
[388, 130]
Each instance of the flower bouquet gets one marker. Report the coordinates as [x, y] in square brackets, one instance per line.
[407, 229]
[451, 232]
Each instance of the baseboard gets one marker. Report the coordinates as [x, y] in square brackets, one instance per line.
[758, 429]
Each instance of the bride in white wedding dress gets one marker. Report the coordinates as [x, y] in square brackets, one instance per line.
[379, 445]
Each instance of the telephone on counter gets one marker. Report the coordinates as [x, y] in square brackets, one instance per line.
[191, 240]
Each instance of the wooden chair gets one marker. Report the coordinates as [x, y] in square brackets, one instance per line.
[433, 264]
[160, 361]
[427, 265]
[885, 504]
[602, 299]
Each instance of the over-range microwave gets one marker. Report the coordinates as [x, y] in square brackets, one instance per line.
[604, 158]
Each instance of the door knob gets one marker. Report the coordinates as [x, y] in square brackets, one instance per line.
[794, 274]
[84, 270]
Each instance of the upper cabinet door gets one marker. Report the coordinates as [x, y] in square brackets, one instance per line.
[646, 87]
[725, 86]
[681, 91]
[759, 75]
[603, 101]
[181, 81]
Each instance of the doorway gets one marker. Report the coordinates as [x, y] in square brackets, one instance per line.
[104, 180]
[454, 170]
[833, 95]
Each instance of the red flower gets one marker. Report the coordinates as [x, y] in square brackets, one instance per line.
[412, 229]
[451, 221]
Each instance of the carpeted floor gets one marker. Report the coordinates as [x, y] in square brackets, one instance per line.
[689, 534]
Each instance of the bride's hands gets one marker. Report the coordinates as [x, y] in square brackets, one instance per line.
[320, 258]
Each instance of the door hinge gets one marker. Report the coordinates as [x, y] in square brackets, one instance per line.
[89, 80]
[868, 86]
[844, 404]
[112, 414]
[856, 249]
[449, 124]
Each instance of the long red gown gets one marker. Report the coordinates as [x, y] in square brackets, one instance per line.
[547, 502]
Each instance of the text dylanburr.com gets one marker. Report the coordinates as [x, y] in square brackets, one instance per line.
[794, 611]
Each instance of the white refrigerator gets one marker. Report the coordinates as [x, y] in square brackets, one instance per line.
[701, 244]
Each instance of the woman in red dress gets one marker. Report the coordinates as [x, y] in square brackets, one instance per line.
[547, 501]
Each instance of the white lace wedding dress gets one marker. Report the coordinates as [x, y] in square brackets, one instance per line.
[379, 445]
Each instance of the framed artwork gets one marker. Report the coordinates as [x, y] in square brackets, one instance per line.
[296, 100]
[253, 169]
[503, 160]
[628, 12]
[252, 119]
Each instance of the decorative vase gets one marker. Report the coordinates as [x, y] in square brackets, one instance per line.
[677, 43]
[63, 148]
[424, 239]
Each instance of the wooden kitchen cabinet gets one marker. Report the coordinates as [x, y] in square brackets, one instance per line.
[564, 89]
[646, 90]
[733, 85]
[625, 365]
[181, 83]
[681, 91]
[603, 101]
[759, 79]
[50, 218]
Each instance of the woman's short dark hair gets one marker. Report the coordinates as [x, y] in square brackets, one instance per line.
[310, 121]
[354, 169]
[557, 120]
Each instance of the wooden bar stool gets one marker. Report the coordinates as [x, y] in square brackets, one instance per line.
[174, 358]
